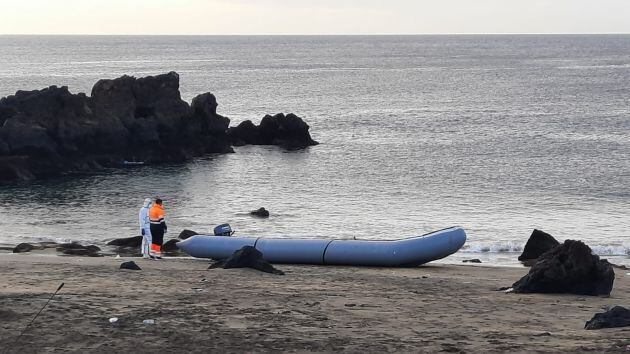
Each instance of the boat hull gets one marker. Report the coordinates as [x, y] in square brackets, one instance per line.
[411, 251]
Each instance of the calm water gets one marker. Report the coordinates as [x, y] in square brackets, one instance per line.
[498, 134]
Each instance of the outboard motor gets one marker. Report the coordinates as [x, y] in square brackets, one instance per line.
[223, 230]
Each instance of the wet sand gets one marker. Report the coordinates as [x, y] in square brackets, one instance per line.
[433, 308]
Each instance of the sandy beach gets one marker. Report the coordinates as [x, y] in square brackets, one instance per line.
[432, 308]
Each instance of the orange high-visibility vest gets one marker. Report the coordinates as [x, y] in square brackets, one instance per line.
[156, 214]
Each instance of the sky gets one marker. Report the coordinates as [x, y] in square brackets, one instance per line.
[221, 17]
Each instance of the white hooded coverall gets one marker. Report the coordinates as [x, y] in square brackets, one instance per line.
[145, 229]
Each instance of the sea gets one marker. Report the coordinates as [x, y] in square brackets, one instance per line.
[499, 134]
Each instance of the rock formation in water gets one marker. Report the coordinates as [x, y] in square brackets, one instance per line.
[538, 243]
[289, 131]
[569, 268]
[260, 212]
[52, 131]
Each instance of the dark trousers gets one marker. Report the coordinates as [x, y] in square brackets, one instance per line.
[157, 234]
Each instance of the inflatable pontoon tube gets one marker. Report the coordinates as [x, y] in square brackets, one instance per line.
[404, 252]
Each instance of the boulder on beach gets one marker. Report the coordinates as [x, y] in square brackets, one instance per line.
[247, 257]
[23, 248]
[569, 268]
[260, 212]
[618, 316]
[72, 246]
[170, 246]
[186, 234]
[77, 249]
[27, 247]
[131, 265]
[85, 252]
[538, 243]
[135, 241]
[288, 131]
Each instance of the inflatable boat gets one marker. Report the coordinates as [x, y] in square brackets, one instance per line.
[411, 251]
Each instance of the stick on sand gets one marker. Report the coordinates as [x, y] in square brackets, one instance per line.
[34, 318]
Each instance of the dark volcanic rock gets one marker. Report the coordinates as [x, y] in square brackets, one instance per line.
[539, 242]
[87, 252]
[131, 265]
[568, 268]
[247, 257]
[135, 241]
[186, 234]
[170, 246]
[204, 114]
[260, 212]
[50, 132]
[472, 260]
[23, 247]
[72, 246]
[289, 131]
[245, 133]
[76, 249]
[27, 247]
[616, 317]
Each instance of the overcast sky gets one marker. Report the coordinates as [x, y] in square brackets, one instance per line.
[312, 17]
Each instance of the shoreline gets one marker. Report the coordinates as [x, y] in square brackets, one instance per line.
[488, 259]
[431, 308]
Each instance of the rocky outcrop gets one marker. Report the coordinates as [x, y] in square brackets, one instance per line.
[77, 249]
[23, 248]
[170, 246]
[288, 131]
[260, 212]
[186, 234]
[247, 257]
[52, 131]
[539, 242]
[618, 316]
[27, 247]
[569, 268]
[131, 242]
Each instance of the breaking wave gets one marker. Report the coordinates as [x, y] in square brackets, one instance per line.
[511, 247]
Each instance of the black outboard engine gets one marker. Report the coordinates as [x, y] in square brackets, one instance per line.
[223, 230]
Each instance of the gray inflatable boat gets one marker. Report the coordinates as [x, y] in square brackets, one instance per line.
[411, 251]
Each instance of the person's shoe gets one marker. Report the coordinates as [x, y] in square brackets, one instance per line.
[158, 257]
[152, 257]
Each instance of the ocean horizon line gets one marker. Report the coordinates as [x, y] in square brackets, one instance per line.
[314, 34]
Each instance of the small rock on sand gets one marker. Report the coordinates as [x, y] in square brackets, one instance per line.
[471, 260]
[618, 316]
[23, 247]
[131, 265]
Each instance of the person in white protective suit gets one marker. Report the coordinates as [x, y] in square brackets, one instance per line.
[145, 228]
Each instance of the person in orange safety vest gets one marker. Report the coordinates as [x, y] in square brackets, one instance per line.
[158, 228]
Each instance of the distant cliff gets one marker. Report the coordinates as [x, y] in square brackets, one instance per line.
[50, 132]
